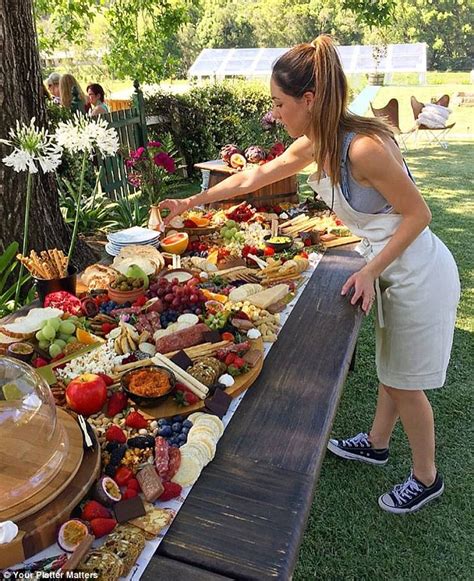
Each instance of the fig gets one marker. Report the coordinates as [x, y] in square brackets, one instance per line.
[71, 534]
[106, 491]
[228, 150]
[255, 154]
[89, 307]
[237, 161]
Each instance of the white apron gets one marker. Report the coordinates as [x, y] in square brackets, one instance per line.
[417, 296]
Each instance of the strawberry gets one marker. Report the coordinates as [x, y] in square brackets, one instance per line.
[118, 401]
[93, 509]
[303, 254]
[134, 484]
[308, 242]
[129, 493]
[108, 380]
[230, 358]
[268, 251]
[102, 526]
[238, 362]
[115, 434]
[136, 420]
[140, 301]
[183, 396]
[171, 490]
[107, 327]
[123, 475]
[227, 337]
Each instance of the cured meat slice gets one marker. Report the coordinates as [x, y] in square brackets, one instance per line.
[174, 463]
[182, 339]
[162, 449]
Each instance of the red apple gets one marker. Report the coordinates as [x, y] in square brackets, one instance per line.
[86, 394]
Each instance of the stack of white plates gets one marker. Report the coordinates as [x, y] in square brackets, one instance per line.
[130, 236]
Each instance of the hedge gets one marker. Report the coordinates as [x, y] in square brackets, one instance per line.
[208, 117]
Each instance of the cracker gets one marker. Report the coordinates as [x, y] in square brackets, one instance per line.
[193, 417]
[104, 564]
[207, 429]
[188, 472]
[210, 419]
[126, 551]
[198, 450]
[155, 520]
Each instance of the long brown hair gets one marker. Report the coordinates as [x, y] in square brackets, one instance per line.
[316, 67]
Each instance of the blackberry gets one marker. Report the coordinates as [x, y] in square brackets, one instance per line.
[141, 442]
[117, 455]
[111, 446]
[110, 470]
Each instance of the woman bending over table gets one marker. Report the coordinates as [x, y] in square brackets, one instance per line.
[410, 273]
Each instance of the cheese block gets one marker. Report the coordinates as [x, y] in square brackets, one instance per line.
[269, 296]
[243, 292]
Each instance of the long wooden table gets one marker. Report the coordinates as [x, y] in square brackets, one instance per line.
[246, 515]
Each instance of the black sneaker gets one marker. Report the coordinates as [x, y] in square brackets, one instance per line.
[359, 448]
[411, 495]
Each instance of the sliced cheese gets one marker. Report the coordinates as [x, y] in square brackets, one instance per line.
[269, 296]
[242, 292]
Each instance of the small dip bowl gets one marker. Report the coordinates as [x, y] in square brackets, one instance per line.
[22, 351]
[279, 243]
[148, 386]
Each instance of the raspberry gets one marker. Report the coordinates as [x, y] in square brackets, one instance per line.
[123, 475]
[115, 434]
[171, 490]
[129, 493]
[134, 484]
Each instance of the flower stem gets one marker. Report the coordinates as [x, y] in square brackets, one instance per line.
[78, 207]
[26, 225]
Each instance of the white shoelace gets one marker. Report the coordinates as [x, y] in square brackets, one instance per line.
[406, 491]
[361, 439]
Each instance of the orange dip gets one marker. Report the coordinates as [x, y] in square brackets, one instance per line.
[149, 382]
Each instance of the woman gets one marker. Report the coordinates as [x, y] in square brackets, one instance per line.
[361, 175]
[66, 84]
[52, 82]
[96, 97]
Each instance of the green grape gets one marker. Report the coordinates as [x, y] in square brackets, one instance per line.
[54, 350]
[55, 323]
[233, 231]
[231, 224]
[39, 336]
[63, 336]
[44, 345]
[71, 340]
[67, 328]
[49, 332]
[60, 343]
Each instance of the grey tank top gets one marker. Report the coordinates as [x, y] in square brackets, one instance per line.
[363, 199]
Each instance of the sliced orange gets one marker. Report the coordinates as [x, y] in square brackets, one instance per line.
[201, 222]
[85, 337]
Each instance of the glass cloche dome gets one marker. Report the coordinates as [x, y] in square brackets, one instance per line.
[33, 444]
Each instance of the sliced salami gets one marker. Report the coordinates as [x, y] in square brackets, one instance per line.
[174, 463]
[162, 449]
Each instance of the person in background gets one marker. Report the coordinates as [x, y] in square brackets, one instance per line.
[95, 94]
[66, 84]
[52, 82]
[413, 277]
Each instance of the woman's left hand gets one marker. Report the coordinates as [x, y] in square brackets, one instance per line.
[363, 283]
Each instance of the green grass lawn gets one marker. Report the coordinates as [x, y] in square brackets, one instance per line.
[348, 537]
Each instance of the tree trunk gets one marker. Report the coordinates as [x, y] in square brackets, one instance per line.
[21, 98]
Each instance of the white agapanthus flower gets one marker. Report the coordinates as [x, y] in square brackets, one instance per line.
[85, 134]
[32, 146]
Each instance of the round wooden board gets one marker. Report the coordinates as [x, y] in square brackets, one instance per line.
[41, 527]
[61, 478]
[169, 408]
[196, 231]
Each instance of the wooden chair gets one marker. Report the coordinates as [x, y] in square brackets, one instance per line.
[389, 113]
[434, 133]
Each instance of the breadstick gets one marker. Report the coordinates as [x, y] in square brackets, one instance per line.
[57, 261]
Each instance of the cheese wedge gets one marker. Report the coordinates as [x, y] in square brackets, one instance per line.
[269, 296]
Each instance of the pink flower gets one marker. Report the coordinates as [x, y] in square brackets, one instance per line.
[163, 160]
[156, 144]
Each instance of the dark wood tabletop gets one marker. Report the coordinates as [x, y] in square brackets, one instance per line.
[245, 516]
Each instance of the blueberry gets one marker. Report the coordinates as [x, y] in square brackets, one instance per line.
[163, 422]
[181, 444]
[127, 305]
[165, 431]
[182, 437]
[177, 418]
[172, 441]
[176, 427]
[185, 430]
[187, 424]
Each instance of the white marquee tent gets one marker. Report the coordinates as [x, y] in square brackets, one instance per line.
[257, 62]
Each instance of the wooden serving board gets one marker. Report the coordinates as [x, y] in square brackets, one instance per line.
[59, 481]
[195, 231]
[169, 408]
[39, 530]
[341, 241]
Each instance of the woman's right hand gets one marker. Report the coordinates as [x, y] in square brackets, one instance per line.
[175, 208]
